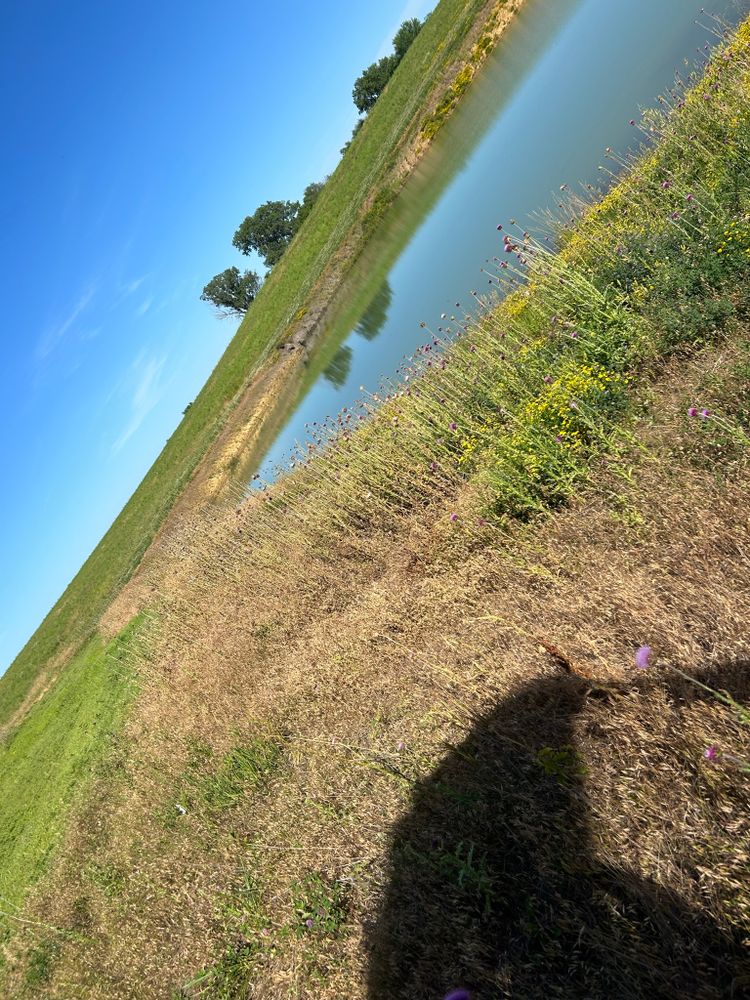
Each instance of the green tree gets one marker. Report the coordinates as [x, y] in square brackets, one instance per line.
[232, 292]
[371, 84]
[308, 200]
[405, 36]
[358, 125]
[269, 230]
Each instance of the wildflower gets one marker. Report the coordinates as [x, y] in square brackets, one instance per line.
[711, 753]
[632, 121]
[453, 517]
[453, 426]
[482, 522]
[401, 745]
[692, 411]
[704, 414]
[548, 379]
[265, 931]
[675, 216]
[666, 185]
[643, 657]
[689, 197]
[559, 439]
[574, 334]
[308, 922]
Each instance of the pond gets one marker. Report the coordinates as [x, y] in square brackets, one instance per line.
[563, 84]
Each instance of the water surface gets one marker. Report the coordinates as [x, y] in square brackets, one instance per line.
[562, 85]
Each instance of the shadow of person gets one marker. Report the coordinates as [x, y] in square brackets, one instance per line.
[495, 885]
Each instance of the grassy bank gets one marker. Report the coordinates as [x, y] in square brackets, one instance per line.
[346, 213]
[48, 763]
[391, 738]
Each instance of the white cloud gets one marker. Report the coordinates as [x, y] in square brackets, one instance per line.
[144, 307]
[147, 391]
[55, 334]
[134, 285]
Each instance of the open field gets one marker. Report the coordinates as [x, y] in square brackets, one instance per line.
[346, 213]
[390, 737]
[45, 764]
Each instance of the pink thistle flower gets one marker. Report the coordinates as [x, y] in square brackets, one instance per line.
[704, 414]
[453, 426]
[453, 517]
[643, 657]
[711, 753]
[692, 411]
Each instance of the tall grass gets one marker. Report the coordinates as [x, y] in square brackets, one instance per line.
[516, 404]
[335, 231]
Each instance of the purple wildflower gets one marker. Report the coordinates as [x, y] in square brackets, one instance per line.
[704, 414]
[666, 185]
[692, 411]
[675, 216]
[308, 922]
[711, 753]
[632, 121]
[689, 197]
[548, 379]
[453, 426]
[453, 517]
[401, 745]
[642, 657]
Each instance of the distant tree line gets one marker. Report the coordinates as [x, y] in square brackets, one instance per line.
[272, 226]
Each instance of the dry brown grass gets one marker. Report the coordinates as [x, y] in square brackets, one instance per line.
[407, 692]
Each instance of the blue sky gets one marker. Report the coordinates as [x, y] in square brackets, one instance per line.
[135, 139]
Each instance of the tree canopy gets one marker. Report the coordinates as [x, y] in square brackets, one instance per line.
[405, 36]
[269, 230]
[232, 292]
[370, 85]
[308, 200]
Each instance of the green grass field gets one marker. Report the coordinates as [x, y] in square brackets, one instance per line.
[45, 763]
[547, 389]
[362, 174]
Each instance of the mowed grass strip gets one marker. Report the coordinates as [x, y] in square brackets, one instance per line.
[45, 763]
[360, 183]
